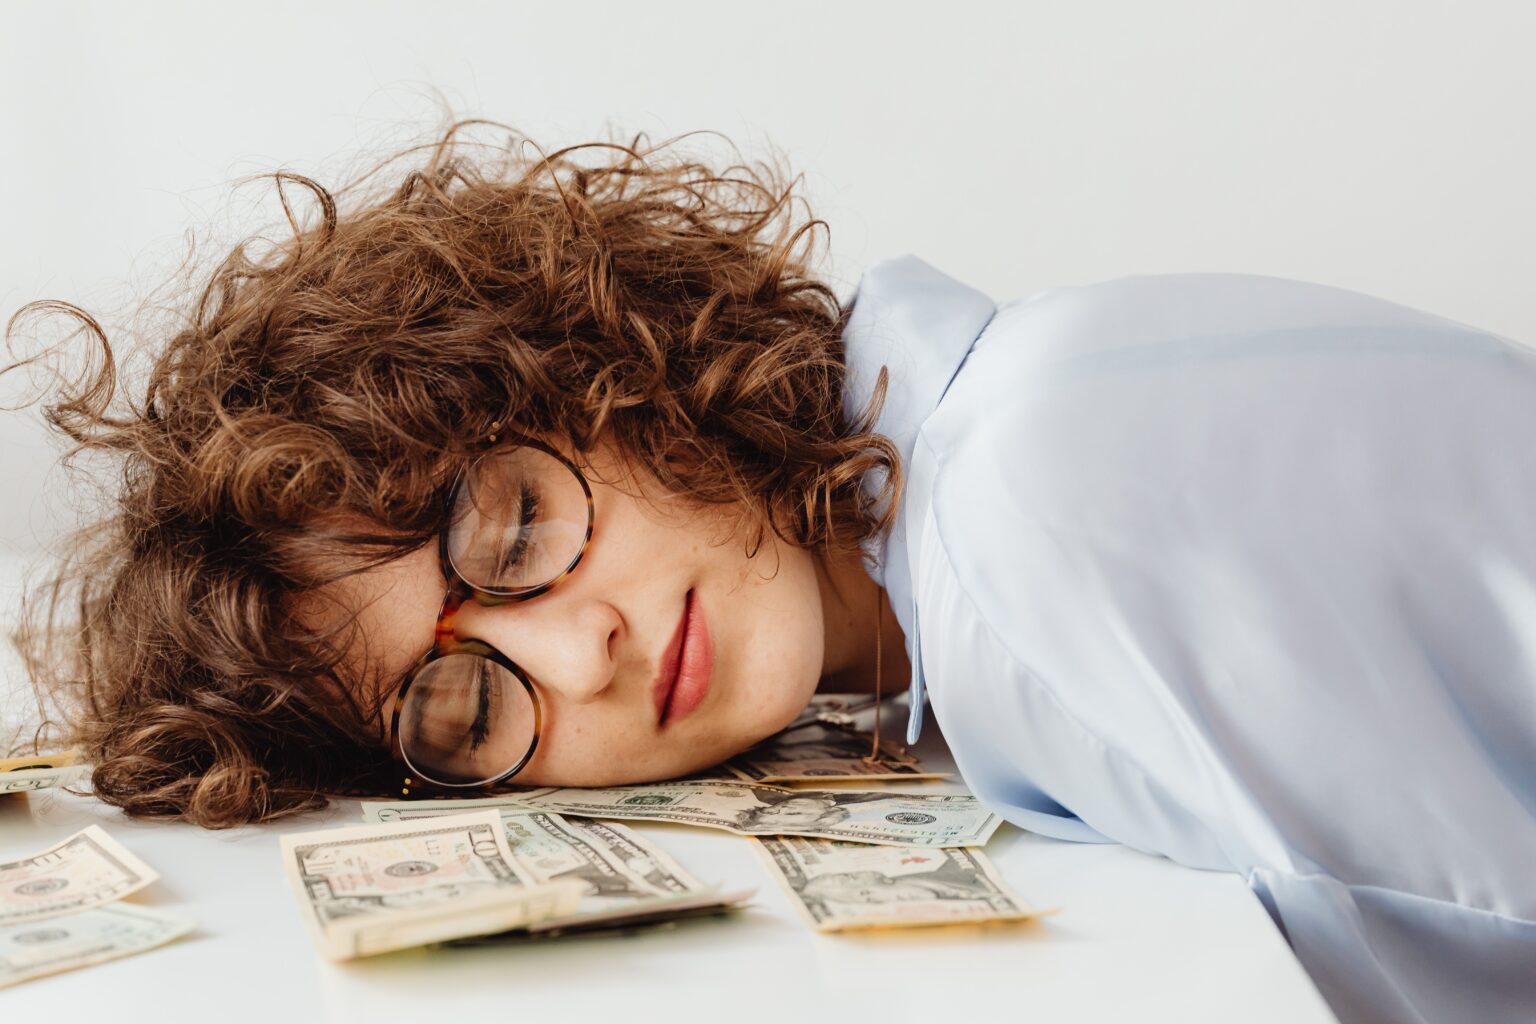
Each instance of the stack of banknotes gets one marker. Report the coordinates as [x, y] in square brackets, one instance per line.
[482, 874]
[545, 862]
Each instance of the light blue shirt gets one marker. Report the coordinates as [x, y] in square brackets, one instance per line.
[1241, 571]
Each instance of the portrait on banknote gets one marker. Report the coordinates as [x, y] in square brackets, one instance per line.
[876, 887]
[796, 811]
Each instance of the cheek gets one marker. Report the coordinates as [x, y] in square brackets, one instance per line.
[780, 644]
[583, 749]
[590, 746]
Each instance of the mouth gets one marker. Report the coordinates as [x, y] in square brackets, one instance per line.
[686, 665]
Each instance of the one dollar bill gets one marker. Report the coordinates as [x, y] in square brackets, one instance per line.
[748, 809]
[379, 888]
[843, 886]
[40, 948]
[87, 870]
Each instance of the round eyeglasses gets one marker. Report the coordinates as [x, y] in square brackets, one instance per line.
[518, 521]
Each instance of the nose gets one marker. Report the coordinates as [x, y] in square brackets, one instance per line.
[565, 642]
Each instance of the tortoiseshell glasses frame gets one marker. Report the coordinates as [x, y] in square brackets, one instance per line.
[413, 782]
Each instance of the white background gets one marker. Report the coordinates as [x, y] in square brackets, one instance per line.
[1381, 145]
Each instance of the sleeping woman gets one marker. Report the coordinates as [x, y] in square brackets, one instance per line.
[570, 470]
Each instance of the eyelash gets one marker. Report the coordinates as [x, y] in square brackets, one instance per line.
[528, 515]
[480, 728]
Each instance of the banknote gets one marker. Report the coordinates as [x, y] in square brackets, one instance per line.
[644, 914]
[379, 888]
[830, 709]
[625, 878]
[748, 809]
[27, 780]
[40, 771]
[817, 752]
[86, 870]
[60, 760]
[615, 866]
[636, 924]
[841, 886]
[80, 939]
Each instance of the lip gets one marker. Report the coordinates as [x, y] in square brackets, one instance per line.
[686, 665]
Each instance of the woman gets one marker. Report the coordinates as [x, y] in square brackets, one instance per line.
[567, 473]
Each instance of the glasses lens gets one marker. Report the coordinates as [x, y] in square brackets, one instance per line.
[519, 520]
[466, 720]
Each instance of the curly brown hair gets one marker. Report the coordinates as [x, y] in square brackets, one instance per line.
[603, 292]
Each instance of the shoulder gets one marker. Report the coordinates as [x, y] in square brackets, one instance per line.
[1158, 309]
[1113, 428]
[1176, 350]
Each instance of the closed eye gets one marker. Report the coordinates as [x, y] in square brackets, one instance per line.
[527, 519]
[486, 702]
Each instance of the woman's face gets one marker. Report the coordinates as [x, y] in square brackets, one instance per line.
[596, 646]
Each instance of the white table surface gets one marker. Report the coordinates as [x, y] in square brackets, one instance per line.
[1138, 938]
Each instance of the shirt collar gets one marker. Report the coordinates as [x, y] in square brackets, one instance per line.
[919, 323]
